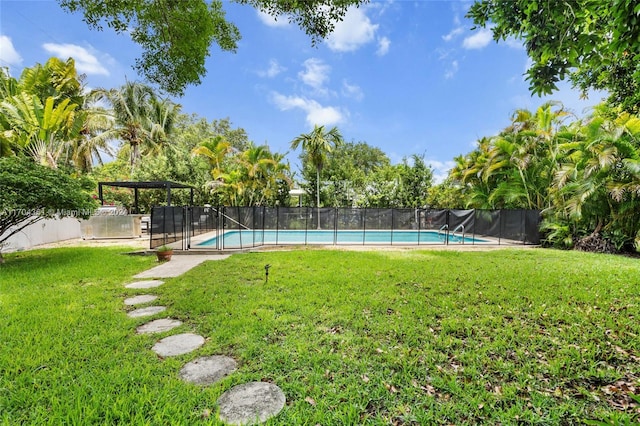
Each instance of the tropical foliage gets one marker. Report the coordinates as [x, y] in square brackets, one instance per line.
[253, 177]
[141, 120]
[405, 185]
[359, 175]
[583, 174]
[596, 44]
[176, 36]
[41, 113]
[30, 192]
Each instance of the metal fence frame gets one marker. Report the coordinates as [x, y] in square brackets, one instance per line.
[180, 224]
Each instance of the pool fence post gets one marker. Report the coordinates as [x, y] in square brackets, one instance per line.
[277, 224]
[419, 219]
[306, 223]
[239, 228]
[475, 216]
[264, 218]
[500, 227]
[392, 225]
[446, 234]
[335, 226]
[364, 226]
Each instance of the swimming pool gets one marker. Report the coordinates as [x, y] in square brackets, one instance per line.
[249, 238]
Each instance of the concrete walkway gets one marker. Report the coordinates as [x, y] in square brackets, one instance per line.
[178, 265]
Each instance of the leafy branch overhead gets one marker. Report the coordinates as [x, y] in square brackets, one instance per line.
[596, 44]
[176, 36]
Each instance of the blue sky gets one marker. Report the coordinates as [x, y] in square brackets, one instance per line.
[408, 77]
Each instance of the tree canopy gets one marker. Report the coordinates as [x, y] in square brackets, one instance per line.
[596, 44]
[30, 192]
[176, 36]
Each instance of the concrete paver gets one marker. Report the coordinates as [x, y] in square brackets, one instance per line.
[158, 326]
[178, 344]
[140, 299]
[145, 284]
[178, 265]
[251, 403]
[145, 312]
[208, 370]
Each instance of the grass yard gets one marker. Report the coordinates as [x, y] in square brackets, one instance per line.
[382, 338]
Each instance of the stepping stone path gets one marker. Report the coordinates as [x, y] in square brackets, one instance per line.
[208, 370]
[139, 300]
[145, 284]
[251, 403]
[158, 326]
[145, 312]
[178, 344]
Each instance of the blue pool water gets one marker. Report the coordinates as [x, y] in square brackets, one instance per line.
[248, 238]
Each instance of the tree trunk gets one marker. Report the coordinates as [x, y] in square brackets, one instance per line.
[134, 155]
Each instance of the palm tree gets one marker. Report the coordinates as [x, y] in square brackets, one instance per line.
[42, 130]
[215, 151]
[163, 114]
[262, 171]
[95, 135]
[40, 112]
[316, 145]
[131, 108]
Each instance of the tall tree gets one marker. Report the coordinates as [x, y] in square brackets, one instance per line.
[176, 36]
[30, 192]
[596, 44]
[142, 121]
[315, 146]
[41, 111]
[347, 170]
[130, 106]
[93, 140]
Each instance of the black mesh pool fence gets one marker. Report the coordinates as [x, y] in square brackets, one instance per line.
[245, 227]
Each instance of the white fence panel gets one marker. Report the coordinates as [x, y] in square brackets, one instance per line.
[44, 232]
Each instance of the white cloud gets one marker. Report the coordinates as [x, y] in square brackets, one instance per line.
[479, 40]
[8, 54]
[453, 34]
[440, 169]
[458, 28]
[86, 62]
[353, 32]
[452, 70]
[352, 91]
[274, 69]
[316, 113]
[514, 43]
[271, 21]
[315, 74]
[383, 46]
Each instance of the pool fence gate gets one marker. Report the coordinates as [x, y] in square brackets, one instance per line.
[180, 225]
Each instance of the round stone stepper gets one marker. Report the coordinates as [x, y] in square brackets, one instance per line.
[145, 284]
[251, 403]
[158, 326]
[139, 300]
[178, 344]
[145, 312]
[208, 370]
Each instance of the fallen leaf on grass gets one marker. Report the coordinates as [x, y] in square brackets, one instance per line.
[428, 389]
[310, 401]
[365, 378]
[391, 388]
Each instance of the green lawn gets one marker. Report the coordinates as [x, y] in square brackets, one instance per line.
[398, 337]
